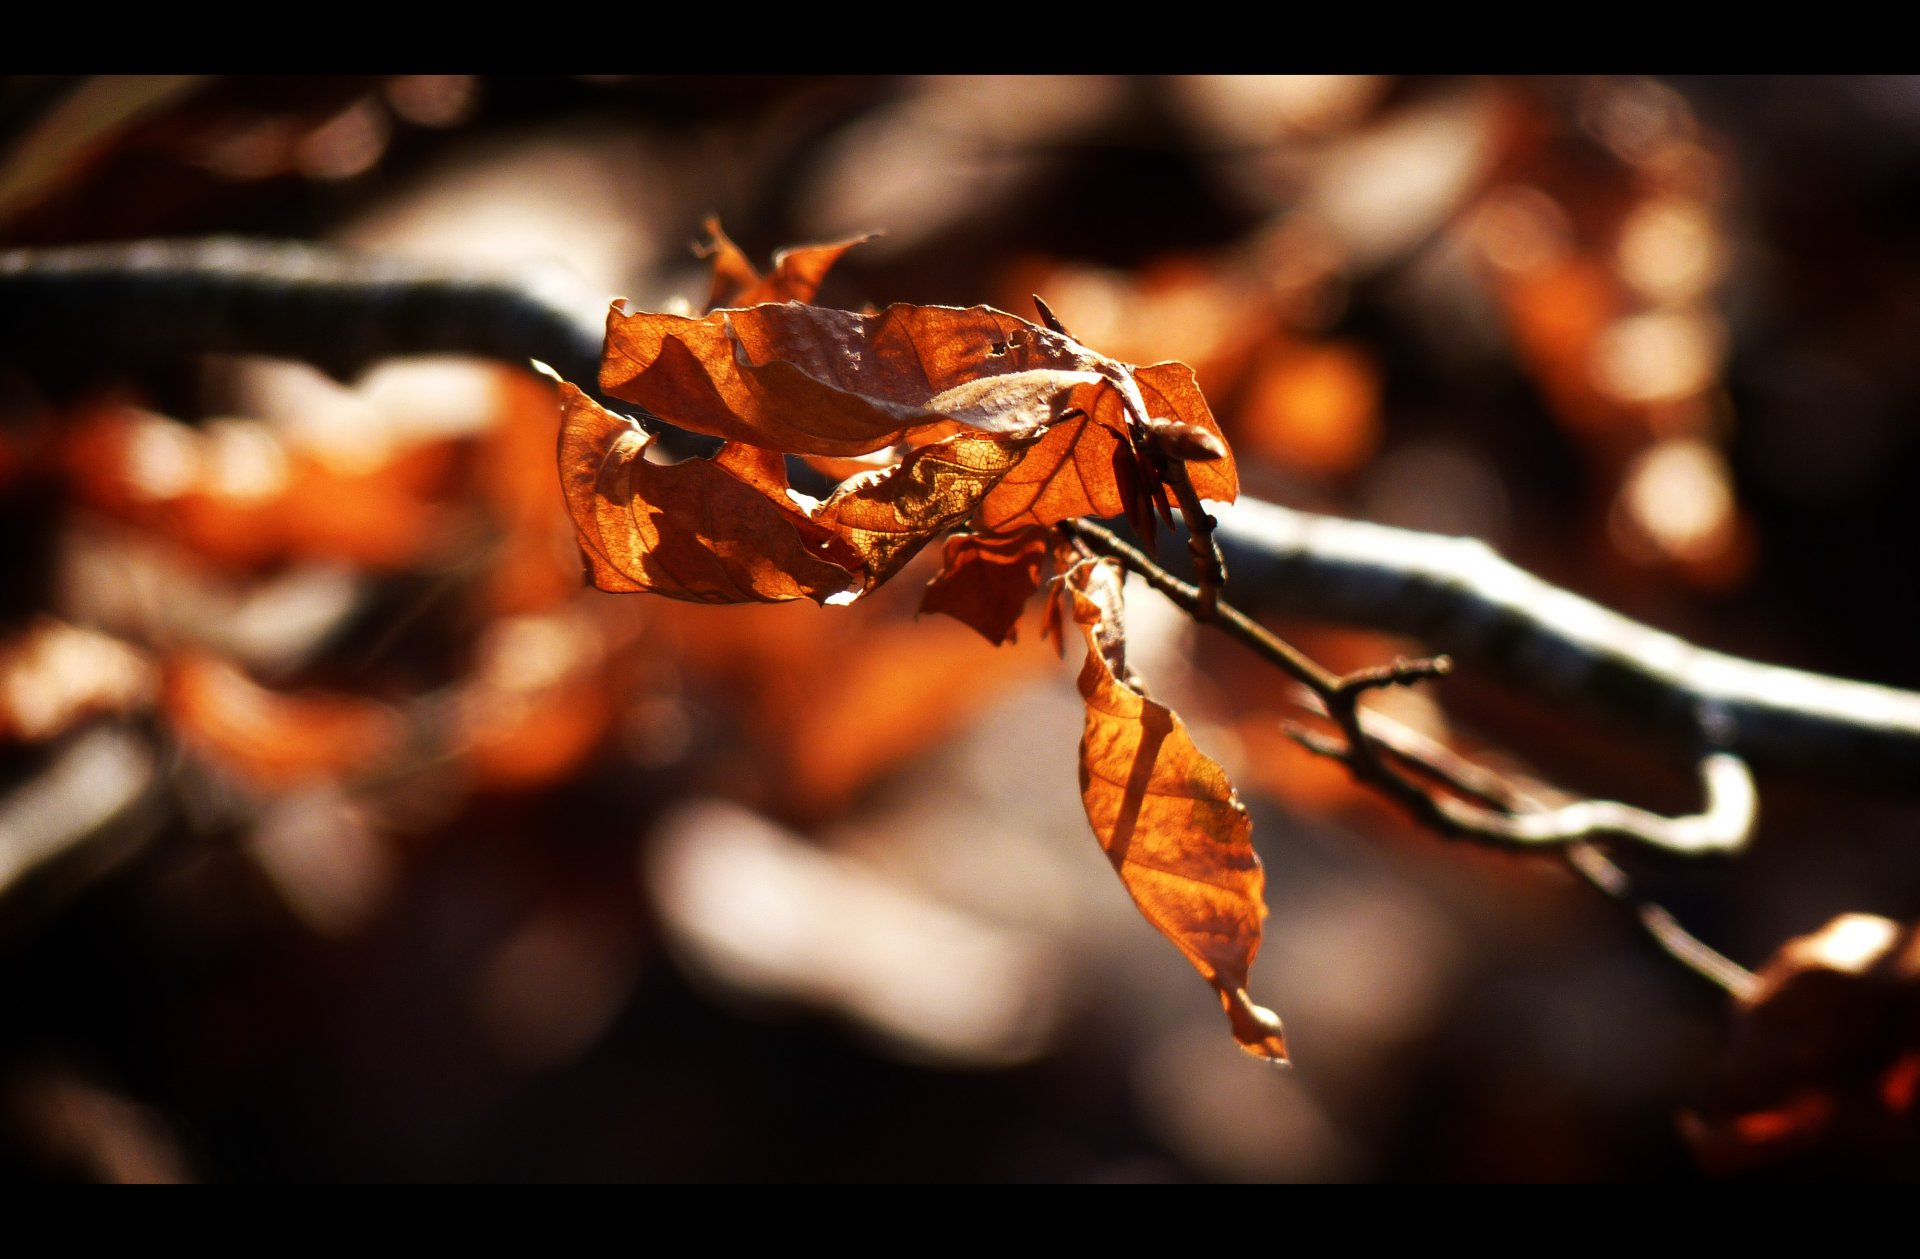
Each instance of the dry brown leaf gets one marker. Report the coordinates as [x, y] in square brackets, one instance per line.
[1077, 469]
[796, 276]
[986, 580]
[809, 380]
[706, 530]
[1087, 465]
[885, 517]
[1190, 431]
[1169, 820]
[727, 530]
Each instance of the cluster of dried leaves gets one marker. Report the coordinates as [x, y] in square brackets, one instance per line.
[965, 422]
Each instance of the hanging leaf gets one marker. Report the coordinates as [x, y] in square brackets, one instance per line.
[1169, 820]
[986, 580]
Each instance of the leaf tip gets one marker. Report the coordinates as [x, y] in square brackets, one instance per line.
[1257, 1028]
[1047, 317]
[543, 370]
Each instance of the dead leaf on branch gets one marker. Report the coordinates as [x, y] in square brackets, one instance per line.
[1180, 419]
[1087, 465]
[1169, 820]
[813, 381]
[985, 580]
[727, 529]
[705, 530]
[1010, 428]
[796, 275]
[1077, 469]
[886, 517]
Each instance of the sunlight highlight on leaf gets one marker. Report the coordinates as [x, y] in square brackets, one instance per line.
[813, 381]
[886, 517]
[695, 530]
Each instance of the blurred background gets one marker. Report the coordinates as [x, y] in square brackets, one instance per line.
[344, 836]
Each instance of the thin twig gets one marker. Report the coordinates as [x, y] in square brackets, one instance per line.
[1208, 563]
[1585, 859]
[1487, 806]
[1297, 664]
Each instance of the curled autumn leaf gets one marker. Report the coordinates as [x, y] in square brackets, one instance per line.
[886, 517]
[728, 529]
[705, 530]
[1087, 465]
[1169, 820]
[795, 277]
[814, 381]
[985, 580]
[1183, 425]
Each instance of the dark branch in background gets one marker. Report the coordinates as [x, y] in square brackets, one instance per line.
[156, 301]
[128, 303]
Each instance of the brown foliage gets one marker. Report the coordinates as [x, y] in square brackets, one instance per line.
[795, 277]
[985, 580]
[706, 530]
[1009, 428]
[1167, 817]
[809, 380]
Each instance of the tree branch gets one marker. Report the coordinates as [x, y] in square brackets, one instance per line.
[153, 300]
[1485, 805]
[160, 300]
[1458, 596]
[1505, 793]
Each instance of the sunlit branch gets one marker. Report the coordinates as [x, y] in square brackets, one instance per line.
[153, 300]
[1456, 595]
